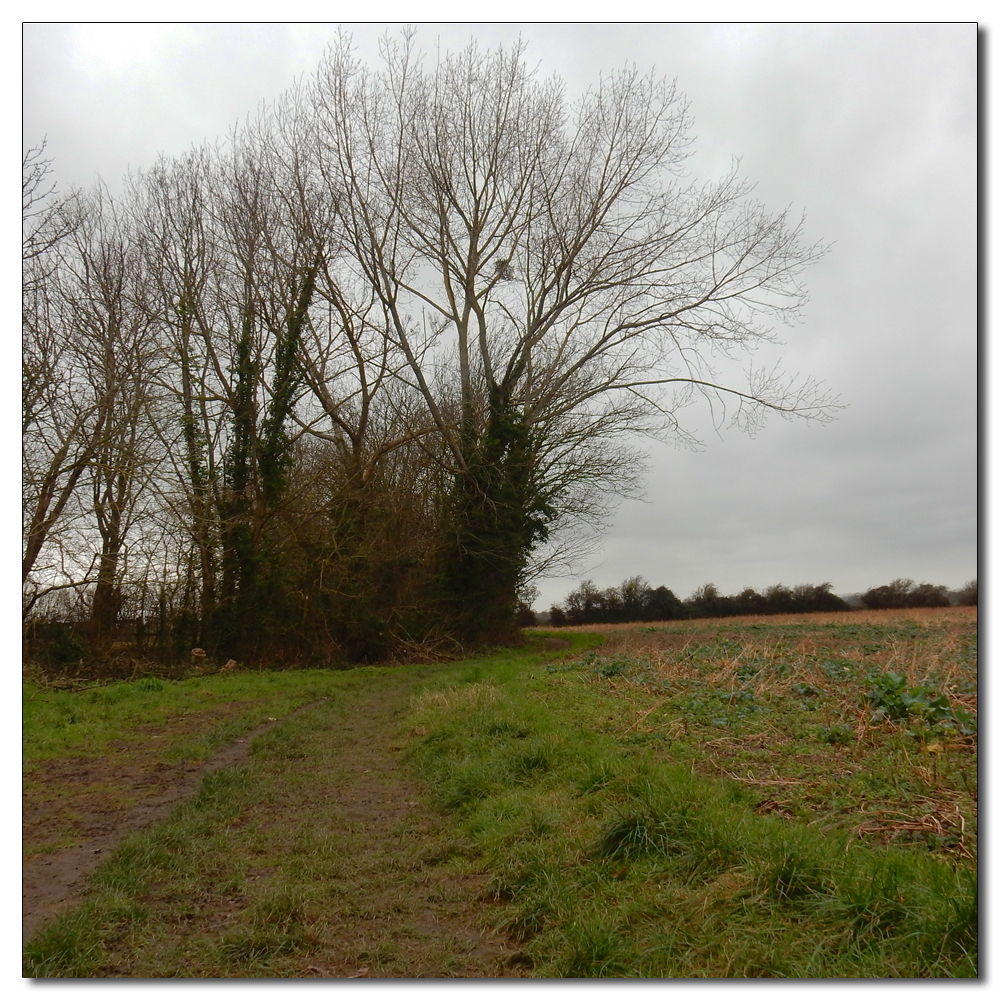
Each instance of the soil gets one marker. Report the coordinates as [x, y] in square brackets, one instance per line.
[418, 918]
[87, 799]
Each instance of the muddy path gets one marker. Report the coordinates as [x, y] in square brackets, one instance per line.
[400, 910]
[52, 882]
[404, 911]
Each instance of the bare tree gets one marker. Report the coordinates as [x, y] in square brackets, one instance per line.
[171, 206]
[89, 454]
[551, 279]
[235, 274]
[45, 218]
[61, 421]
[371, 362]
[105, 292]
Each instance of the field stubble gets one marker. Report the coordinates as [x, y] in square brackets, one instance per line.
[785, 704]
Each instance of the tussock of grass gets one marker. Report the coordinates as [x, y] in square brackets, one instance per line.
[458, 699]
[70, 947]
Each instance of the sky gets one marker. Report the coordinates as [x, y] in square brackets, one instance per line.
[871, 129]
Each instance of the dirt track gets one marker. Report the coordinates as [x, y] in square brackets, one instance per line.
[400, 891]
[51, 882]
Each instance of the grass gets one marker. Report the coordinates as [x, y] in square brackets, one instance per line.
[312, 858]
[725, 801]
[60, 722]
[100, 748]
[695, 800]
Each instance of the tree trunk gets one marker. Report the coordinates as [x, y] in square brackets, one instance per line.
[498, 517]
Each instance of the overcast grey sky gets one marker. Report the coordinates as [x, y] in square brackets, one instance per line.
[871, 128]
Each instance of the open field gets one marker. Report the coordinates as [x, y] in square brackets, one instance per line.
[770, 797]
[784, 703]
[930, 616]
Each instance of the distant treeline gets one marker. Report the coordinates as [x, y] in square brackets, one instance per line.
[907, 594]
[635, 600]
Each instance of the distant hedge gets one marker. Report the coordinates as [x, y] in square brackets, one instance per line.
[907, 594]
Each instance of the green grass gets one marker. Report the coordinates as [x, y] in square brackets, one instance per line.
[606, 796]
[62, 723]
[683, 803]
[267, 873]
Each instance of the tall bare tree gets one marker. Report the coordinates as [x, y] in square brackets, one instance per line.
[105, 294]
[234, 282]
[61, 421]
[89, 454]
[550, 277]
[171, 206]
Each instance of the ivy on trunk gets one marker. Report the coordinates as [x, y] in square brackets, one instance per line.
[497, 517]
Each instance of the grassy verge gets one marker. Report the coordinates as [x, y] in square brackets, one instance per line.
[704, 802]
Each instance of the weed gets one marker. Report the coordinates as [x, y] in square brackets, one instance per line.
[893, 699]
[610, 666]
[840, 734]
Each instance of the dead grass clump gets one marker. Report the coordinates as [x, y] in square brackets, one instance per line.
[939, 817]
[455, 699]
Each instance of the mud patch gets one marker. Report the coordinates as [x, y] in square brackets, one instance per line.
[100, 802]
